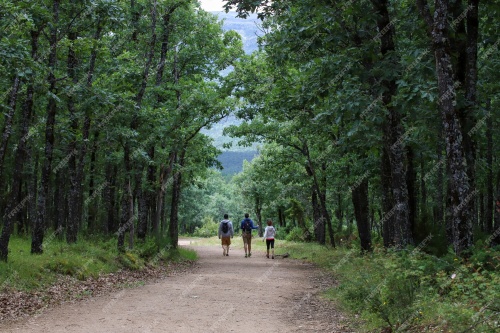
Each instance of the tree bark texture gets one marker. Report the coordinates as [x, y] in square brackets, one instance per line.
[460, 192]
[173, 230]
[43, 193]
[394, 132]
[387, 200]
[9, 116]
[361, 212]
[15, 206]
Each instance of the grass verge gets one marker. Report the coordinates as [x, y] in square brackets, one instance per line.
[84, 259]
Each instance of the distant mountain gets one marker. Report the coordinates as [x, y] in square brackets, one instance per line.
[216, 133]
[232, 159]
[247, 28]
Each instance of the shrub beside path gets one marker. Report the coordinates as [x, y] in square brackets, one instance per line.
[220, 294]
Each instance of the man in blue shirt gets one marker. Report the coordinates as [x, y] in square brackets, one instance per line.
[246, 233]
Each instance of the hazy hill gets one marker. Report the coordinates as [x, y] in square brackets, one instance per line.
[247, 28]
[232, 159]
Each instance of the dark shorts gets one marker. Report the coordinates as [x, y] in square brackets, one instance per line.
[226, 240]
[270, 243]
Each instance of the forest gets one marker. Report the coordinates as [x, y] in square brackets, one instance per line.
[376, 123]
[386, 120]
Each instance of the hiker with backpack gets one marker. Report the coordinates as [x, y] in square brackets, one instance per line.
[225, 234]
[246, 233]
[268, 236]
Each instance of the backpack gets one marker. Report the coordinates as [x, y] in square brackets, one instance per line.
[247, 226]
[225, 227]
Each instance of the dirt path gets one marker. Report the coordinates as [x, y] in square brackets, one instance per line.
[222, 294]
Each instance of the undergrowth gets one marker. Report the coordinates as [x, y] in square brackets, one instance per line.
[411, 291]
[86, 258]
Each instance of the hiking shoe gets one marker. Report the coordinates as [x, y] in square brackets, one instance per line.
[249, 254]
[245, 255]
[227, 255]
[272, 257]
[267, 255]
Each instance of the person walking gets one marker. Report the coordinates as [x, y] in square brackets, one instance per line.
[269, 234]
[246, 233]
[225, 233]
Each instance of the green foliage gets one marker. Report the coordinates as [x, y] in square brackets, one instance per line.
[209, 228]
[78, 260]
[148, 249]
[404, 290]
[408, 291]
[87, 258]
[281, 233]
[296, 234]
[130, 261]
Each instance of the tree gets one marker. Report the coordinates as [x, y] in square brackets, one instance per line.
[459, 183]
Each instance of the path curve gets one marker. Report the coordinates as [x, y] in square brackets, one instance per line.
[221, 294]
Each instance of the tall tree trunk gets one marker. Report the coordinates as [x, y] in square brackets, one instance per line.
[15, 204]
[322, 200]
[423, 193]
[127, 208]
[339, 213]
[145, 201]
[173, 229]
[387, 200]
[319, 220]
[22, 218]
[73, 218]
[60, 195]
[495, 238]
[321, 192]
[150, 196]
[21, 156]
[411, 180]
[394, 131]
[32, 188]
[9, 115]
[132, 218]
[81, 150]
[361, 212]
[139, 197]
[281, 219]
[165, 181]
[482, 212]
[134, 125]
[459, 189]
[110, 197]
[488, 221]
[147, 216]
[39, 225]
[92, 209]
[258, 213]
[467, 114]
[439, 217]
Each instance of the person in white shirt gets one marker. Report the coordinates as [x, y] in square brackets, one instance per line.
[225, 234]
[269, 234]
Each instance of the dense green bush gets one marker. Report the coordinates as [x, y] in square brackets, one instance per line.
[296, 235]
[404, 290]
[209, 228]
